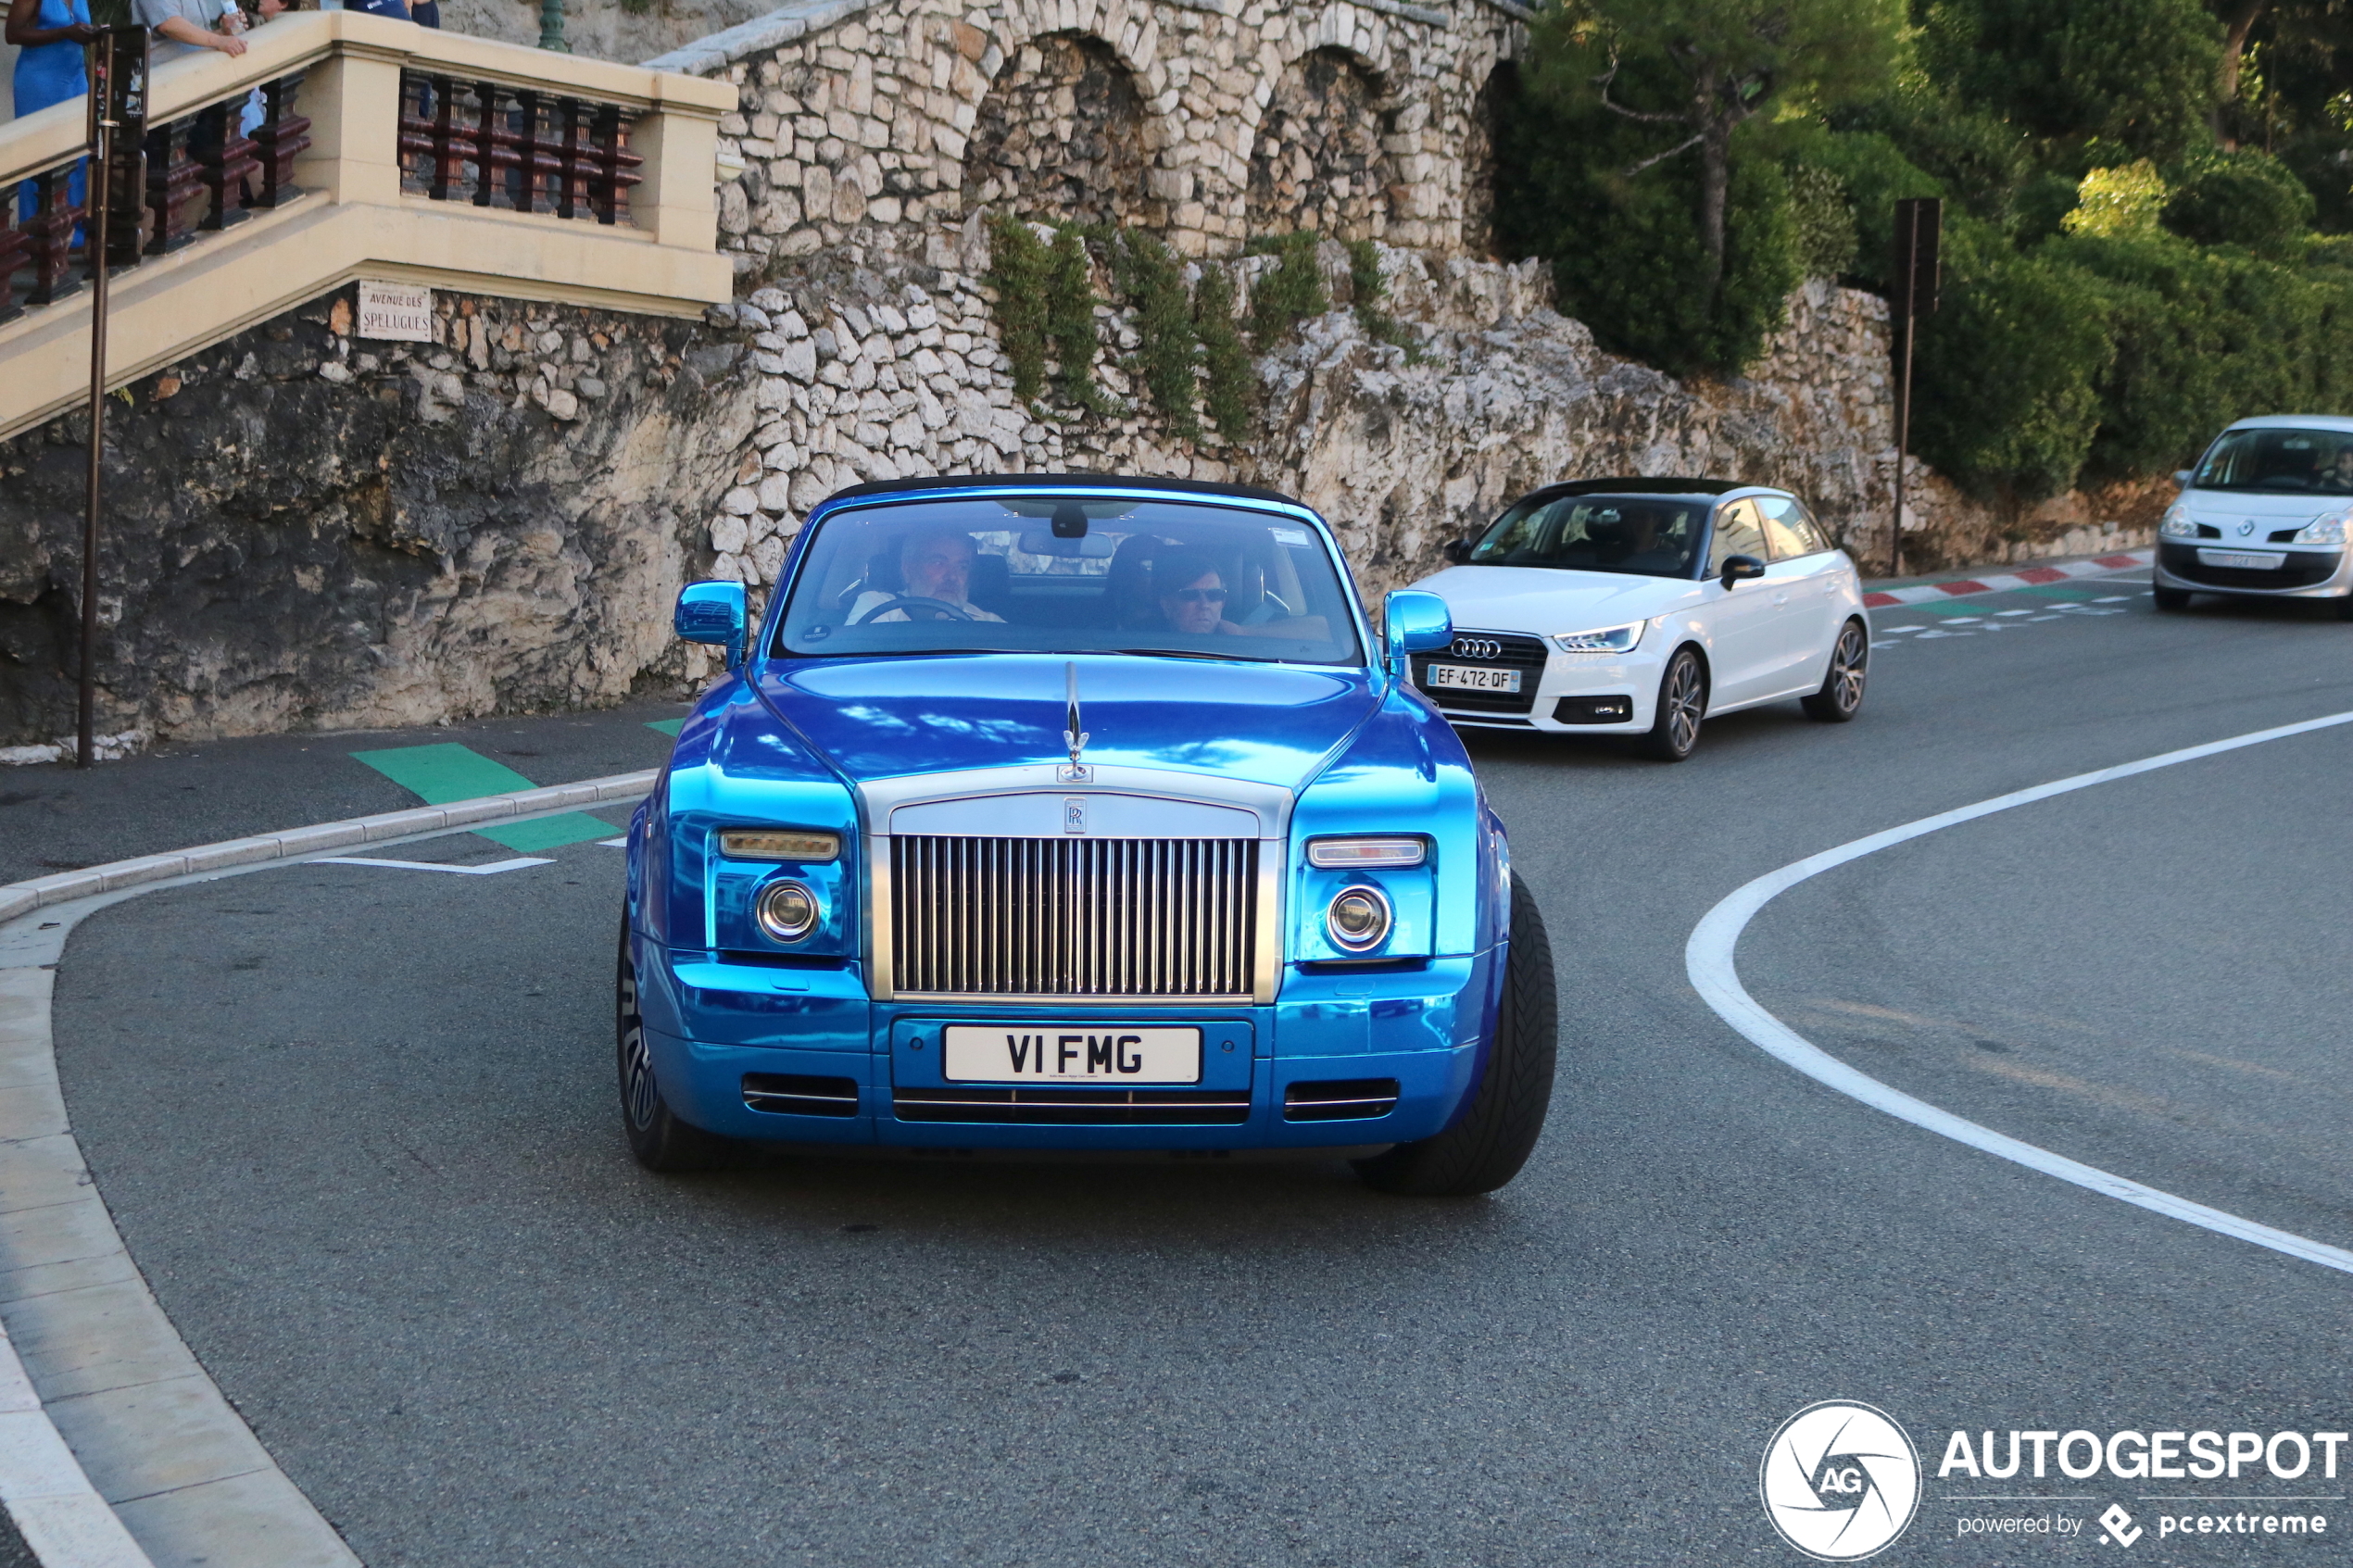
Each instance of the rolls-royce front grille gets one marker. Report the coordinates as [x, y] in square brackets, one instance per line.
[1074, 917]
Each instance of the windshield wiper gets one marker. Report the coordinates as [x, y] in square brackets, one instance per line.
[1173, 653]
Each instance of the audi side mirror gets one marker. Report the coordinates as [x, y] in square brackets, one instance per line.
[1458, 550]
[714, 613]
[1415, 622]
[1740, 569]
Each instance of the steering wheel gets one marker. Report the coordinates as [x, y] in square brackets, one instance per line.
[913, 601]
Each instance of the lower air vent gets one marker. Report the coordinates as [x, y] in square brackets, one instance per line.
[1076, 1108]
[1339, 1099]
[795, 1094]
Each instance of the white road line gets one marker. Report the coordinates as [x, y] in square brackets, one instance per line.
[621, 843]
[1709, 960]
[493, 869]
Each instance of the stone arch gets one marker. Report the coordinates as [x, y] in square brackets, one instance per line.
[1480, 162]
[1318, 161]
[1061, 134]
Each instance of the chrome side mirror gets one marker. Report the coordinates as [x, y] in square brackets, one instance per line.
[1414, 622]
[714, 613]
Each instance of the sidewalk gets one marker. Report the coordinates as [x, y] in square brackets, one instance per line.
[54, 817]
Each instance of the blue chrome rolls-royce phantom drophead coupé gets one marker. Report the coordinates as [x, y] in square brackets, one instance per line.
[1078, 812]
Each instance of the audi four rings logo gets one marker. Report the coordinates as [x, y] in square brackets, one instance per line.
[1477, 647]
[1839, 1481]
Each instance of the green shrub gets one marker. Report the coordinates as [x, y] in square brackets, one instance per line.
[1291, 293]
[1148, 276]
[1017, 272]
[1823, 221]
[1070, 320]
[1225, 361]
[2244, 198]
[2005, 394]
[2121, 203]
[1368, 288]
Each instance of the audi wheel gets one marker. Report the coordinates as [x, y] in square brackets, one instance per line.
[1842, 694]
[1683, 703]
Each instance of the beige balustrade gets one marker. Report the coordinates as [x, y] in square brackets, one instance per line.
[642, 237]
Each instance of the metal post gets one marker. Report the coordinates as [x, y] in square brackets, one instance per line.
[1920, 224]
[551, 26]
[100, 182]
[1903, 439]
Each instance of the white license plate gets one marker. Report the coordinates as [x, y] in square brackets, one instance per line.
[1471, 678]
[2242, 560]
[1069, 1053]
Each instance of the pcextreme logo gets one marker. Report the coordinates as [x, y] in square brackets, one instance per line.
[1839, 1481]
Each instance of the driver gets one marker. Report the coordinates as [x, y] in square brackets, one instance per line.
[2341, 476]
[935, 564]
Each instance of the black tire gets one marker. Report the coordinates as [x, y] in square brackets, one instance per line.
[657, 1137]
[2344, 608]
[1841, 694]
[1682, 704]
[1495, 1133]
[2171, 599]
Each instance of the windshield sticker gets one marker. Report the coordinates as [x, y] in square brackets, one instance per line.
[1295, 537]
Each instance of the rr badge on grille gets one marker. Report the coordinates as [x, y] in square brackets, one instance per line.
[1074, 813]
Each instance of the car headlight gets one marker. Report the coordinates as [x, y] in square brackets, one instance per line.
[787, 911]
[1346, 854]
[778, 843]
[2177, 523]
[2329, 530]
[1610, 639]
[1358, 918]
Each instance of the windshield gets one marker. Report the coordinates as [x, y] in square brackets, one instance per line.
[2280, 462]
[1067, 573]
[1639, 536]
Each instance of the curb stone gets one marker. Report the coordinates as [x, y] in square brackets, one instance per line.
[116, 1449]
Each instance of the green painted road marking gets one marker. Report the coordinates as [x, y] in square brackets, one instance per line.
[1950, 606]
[667, 726]
[2060, 593]
[440, 774]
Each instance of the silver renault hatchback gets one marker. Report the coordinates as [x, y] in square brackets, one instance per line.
[2264, 514]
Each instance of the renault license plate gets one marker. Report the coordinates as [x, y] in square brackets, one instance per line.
[1069, 1053]
[1471, 678]
[2241, 561]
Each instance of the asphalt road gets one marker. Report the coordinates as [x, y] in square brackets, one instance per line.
[357, 1127]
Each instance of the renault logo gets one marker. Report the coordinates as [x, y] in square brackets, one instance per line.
[2246, 528]
[1477, 647]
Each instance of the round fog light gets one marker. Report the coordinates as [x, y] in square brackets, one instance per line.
[1358, 919]
[787, 911]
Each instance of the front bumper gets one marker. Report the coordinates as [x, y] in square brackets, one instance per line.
[1577, 694]
[2321, 572]
[1341, 1059]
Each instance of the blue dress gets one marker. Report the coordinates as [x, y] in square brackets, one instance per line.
[52, 73]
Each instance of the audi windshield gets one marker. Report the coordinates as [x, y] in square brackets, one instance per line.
[1637, 536]
[1063, 573]
[2280, 462]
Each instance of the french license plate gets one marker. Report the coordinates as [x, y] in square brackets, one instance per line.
[2241, 559]
[1471, 678]
[1069, 1053]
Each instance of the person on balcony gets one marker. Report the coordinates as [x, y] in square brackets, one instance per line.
[186, 26]
[49, 35]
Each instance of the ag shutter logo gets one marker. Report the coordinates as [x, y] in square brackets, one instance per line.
[1839, 1481]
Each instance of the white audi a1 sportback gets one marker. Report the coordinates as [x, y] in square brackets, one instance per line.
[1640, 607]
[2264, 514]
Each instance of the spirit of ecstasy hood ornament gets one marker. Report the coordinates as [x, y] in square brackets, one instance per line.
[1074, 771]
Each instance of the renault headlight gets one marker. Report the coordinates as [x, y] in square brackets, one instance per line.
[2177, 523]
[2329, 530]
[1610, 639]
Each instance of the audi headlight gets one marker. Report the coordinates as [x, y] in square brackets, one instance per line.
[2329, 530]
[787, 911]
[2177, 523]
[1610, 639]
[1358, 919]
[1347, 854]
